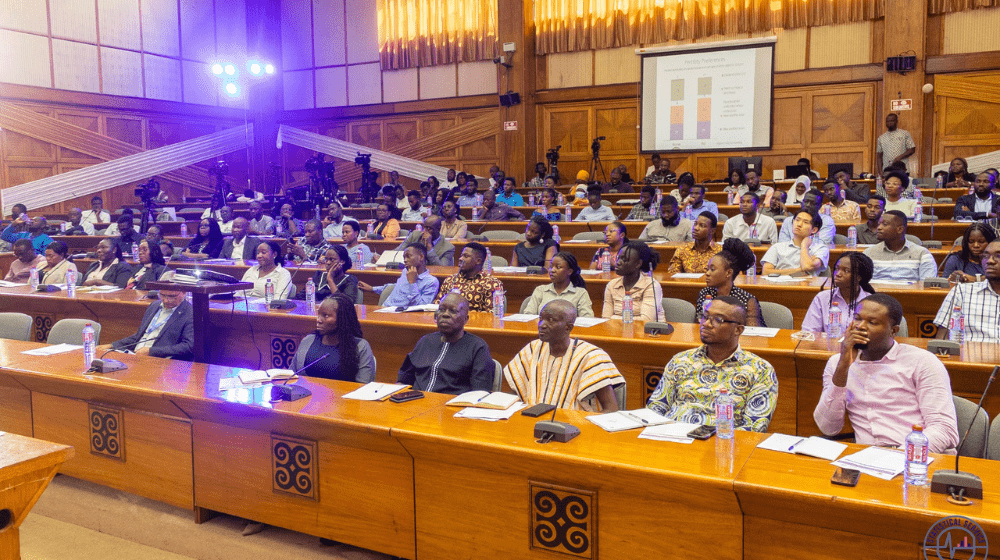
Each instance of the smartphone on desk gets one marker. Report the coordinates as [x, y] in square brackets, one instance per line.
[702, 432]
[845, 477]
[404, 396]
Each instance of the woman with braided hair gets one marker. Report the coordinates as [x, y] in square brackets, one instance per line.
[851, 276]
[721, 274]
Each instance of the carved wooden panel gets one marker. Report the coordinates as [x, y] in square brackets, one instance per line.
[24, 147]
[569, 129]
[838, 118]
[787, 118]
[967, 110]
[617, 125]
[17, 174]
[485, 148]
[107, 432]
[338, 131]
[40, 327]
[126, 130]
[400, 132]
[367, 134]
[89, 122]
[283, 348]
[432, 125]
[563, 520]
[294, 466]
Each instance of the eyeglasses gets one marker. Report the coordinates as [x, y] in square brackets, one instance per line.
[717, 321]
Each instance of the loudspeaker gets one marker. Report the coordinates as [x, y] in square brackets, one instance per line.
[510, 99]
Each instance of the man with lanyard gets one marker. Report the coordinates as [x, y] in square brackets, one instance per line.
[166, 331]
[751, 224]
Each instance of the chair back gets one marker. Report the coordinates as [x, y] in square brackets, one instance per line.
[15, 326]
[776, 315]
[497, 260]
[914, 239]
[679, 311]
[975, 442]
[589, 236]
[904, 329]
[620, 394]
[385, 294]
[70, 331]
[722, 218]
[503, 235]
[497, 375]
[993, 442]
[839, 239]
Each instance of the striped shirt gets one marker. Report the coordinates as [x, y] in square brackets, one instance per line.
[981, 307]
[570, 381]
[912, 263]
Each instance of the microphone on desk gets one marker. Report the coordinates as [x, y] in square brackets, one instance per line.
[938, 281]
[550, 430]
[961, 486]
[83, 256]
[100, 365]
[285, 303]
[286, 392]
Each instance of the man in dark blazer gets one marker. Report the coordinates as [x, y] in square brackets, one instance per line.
[240, 239]
[166, 331]
[983, 197]
[440, 251]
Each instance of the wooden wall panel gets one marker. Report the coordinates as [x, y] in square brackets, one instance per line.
[787, 119]
[967, 119]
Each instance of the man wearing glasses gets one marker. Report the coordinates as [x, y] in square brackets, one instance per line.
[692, 379]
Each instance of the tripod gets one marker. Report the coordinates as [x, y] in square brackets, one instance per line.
[595, 161]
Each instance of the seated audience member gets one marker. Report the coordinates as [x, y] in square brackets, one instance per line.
[538, 180]
[982, 203]
[414, 211]
[416, 285]
[615, 236]
[385, 226]
[735, 181]
[452, 225]
[97, 214]
[109, 269]
[468, 198]
[696, 204]
[812, 202]
[670, 227]
[868, 231]
[753, 185]
[166, 330]
[751, 224]
[151, 267]
[615, 184]
[260, 223]
[958, 175]
[240, 246]
[476, 287]
[333, 279]
[580, 196]
[563, 371]
[966, 266]
[57, 257]
[595, 211]
[226, 220]
[509, 196]
[35, 233]
[777, 210]
[720, 279]
[440, 251]
[285, 224]
[797, 192]
[76, 225]
[208, 243]
[268, 267]
[547, 208]
[809, 170]
[895, 256]
[26, 259]
[896, 182]
[886, 387]
[337, 328]
[494, 211]
[857, 192]
[695, 257]
[167, 249]
[635, 263]
[654, 161]
[333, 226]
[979, 302]
[684, 183]
[451, 360]
[626, 178]
[852, 274]
[16, 211]
[645, 209]
[801, 254]
[360, 253]
[692, 379]
[437, 200]
[538, 246]
[663, 174]
[214, 211]
[250, 195]
[313, 246]
[154, 234]
[567, 284]
[838, 208]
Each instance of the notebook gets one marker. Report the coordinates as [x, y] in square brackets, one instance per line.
[250, 376]
[375, 391]
[628, 419]
[812, 446]
[484, 399]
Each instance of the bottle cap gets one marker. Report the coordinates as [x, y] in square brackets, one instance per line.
[918, 428]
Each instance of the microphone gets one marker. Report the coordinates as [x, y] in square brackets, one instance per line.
[938, 281]
[285, 303]
[100, 365]
[88, 255]
[961, 486]
[286, 392]
[550, 430]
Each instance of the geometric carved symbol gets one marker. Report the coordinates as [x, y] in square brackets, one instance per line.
[107, 433]
[293, 465]
[283, 349]
[650, 380]
[927, 327]
[563, 520]
[42, 324]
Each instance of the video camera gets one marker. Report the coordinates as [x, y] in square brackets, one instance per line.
[364, 160]
[318, 166]
[148, 191]
[596, 145]
[553, 155]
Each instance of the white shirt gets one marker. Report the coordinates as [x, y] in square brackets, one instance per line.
[92, 218]
[279, 277]
[208, 212]
[238, 248]
[789, 255]
[113, 229]
[334, 230]
[763, 228]
[226, 227]
[88, 227]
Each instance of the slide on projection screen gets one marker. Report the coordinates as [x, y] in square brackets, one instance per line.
[707, 96]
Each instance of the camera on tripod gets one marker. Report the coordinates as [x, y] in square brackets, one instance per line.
[319, 167]
[364, 160]
[553, 155]
[596, 145]
[220, 169]
[148, 191]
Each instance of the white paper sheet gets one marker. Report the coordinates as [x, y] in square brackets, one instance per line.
[375, 391]
[521, 317]
[54, 349]
[691, 275]
[676, 432]
[490, 414]
[876, 461]
[511, 269]
[585, 322]
[784, 279]
[765, 332]
[6, 284]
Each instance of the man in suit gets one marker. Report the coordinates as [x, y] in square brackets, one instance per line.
[440, 251]
[982, 203]
[241, 245]
[166, 331]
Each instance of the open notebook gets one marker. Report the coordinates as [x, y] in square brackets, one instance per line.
[484, 399]
[628, 419]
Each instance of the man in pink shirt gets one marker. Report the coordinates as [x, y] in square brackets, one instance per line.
[20, 269]
[884, 386]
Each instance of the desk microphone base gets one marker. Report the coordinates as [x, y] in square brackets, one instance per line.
[107, 365]
[952, 483]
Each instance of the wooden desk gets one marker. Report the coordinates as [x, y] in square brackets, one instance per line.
[26, 468]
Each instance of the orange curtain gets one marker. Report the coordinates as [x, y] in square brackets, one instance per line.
[935, 7]
[415, 33]
[573, 25]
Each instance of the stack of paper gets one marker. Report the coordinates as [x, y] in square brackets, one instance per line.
[812, 446]
[53, 349]
[6, 284]
[676, 432]
[375, 391]
[490, 414]
[764, 332]
[521, 317]
[628, 420]
[877, 461]
[424, 307]
[691, 275]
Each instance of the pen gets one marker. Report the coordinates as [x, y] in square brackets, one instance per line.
[639, 418]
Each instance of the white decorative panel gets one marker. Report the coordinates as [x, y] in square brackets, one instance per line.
[616, 66]
[840, 45]
[790, 50]
[438, 81]
[574, 69]
[298, 89]
[75, 66]
[331, 87]
[400, 85]
[971, 31]
[477, 78]
[159, 28]
[121, 72]
[296, 34]
[24, 16]
[200, 85]
[231, 27]
[119, 22]
[163, 77]
[72, 19]
[363, 83]
[24, 59]
[362, 42]
[329, 32]
[197, 31]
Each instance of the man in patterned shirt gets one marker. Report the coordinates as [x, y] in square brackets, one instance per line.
[313, 245]
[470, 281]
[645, 210]
[895, 145]
[695, 256]
[979, 302]
[692, 379]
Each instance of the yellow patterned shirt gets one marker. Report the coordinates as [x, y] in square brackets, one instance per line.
[688, 259]
[569, 381]
[478, 291]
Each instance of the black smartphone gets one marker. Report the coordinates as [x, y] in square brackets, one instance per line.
[537, 410]
[845, 477]
[404, 396]
[702, 432]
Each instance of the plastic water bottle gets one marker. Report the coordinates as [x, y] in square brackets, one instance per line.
[918, 212]
[71, 283]
[268, 291]
[940, 181]
[531, 199]
[879, 184]
[852, 237]
[34, 278]
[370, 231]
[704, 307]
[569, 214]
[689, 212]
[562, 199]
[917, 194]
[488, 264]
[731, 197]
[606, 262]
[752, 271]
[475, 212]
[956, 325]
[724, 415]
[479, 200]
[89, 347]
[311, 296]
[498, 300]
[833, 328]
[555, 233]
[184, 229]
[628, 315]
[358, 256]
[135, 252]
[659, 195]
[419, 227]
[917, 447]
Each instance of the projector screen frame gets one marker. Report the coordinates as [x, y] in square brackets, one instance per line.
[757, 42]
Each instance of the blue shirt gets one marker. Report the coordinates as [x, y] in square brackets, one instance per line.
[405, 294]
[825, 233]
[706, 205]
[512, 200]
[39, 243]
[366, 255]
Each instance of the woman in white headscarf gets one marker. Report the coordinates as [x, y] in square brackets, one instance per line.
[798, 190]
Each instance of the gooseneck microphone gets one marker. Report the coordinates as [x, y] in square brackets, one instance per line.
[938, 281]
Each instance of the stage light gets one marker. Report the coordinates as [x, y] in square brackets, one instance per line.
[255, 69]
[269, 69]
[217, 69]
[231, 89]
[230, 69]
